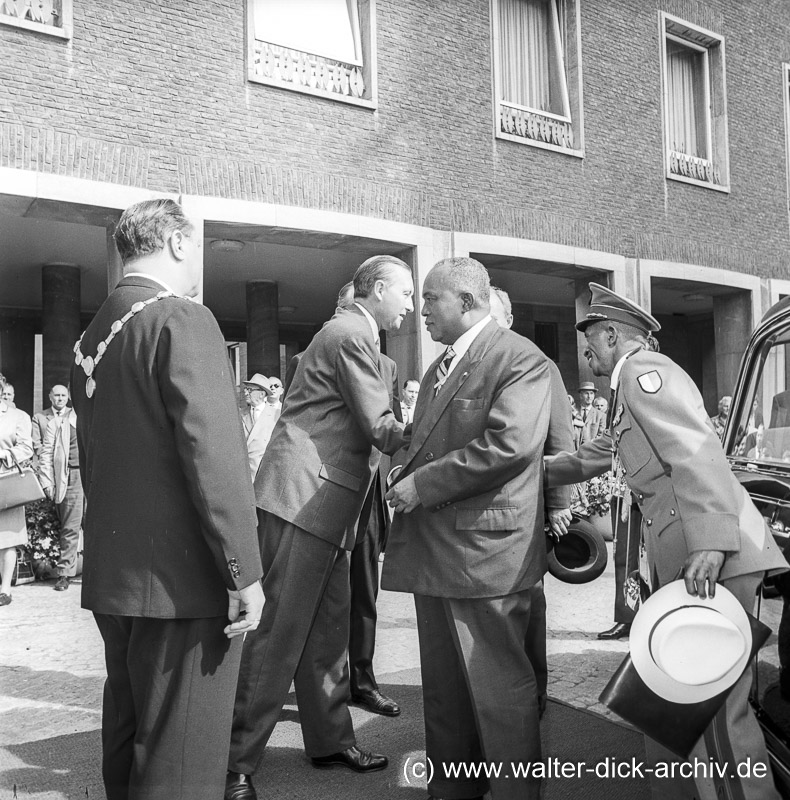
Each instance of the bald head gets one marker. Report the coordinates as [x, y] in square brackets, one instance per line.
[501, 307]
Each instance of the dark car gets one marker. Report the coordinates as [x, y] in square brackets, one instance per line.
[757, 443]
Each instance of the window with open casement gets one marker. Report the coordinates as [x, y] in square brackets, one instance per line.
[537, 70]
[319, 47]
[695, 104]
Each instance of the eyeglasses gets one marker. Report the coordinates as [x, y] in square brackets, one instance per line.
[247, 390]
[275, 386]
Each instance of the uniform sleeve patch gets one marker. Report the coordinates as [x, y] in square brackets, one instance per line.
[650, 382]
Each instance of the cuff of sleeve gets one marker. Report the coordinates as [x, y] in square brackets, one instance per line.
[713, 532]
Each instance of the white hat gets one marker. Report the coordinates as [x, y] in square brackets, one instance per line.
[259, 382]
[687, 649]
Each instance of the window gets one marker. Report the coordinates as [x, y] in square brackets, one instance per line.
[695, 119]
[786, 95]
[320, 47]
[52, 17]
[538, 73]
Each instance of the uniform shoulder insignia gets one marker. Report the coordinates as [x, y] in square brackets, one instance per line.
[650, 382]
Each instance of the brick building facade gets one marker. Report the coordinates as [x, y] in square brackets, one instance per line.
[114, 103]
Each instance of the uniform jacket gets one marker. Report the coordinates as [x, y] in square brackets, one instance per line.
[475, 454]
[318, 464]
[259, 433]
[677, 472]
[170, 522]
[54, 455]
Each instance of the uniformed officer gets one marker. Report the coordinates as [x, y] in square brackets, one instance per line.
[699, 522]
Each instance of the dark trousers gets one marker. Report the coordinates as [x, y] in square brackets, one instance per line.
[167, 707]
[479, 693]
[627, 537]
[70, 510]
[535, 641]
[303, 636]
[364, 570]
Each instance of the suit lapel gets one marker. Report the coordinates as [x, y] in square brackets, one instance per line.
[429, 412]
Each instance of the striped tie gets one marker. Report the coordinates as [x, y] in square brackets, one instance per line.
[444, 368]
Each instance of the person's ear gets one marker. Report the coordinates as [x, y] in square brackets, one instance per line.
[177, 243]
[467, 301]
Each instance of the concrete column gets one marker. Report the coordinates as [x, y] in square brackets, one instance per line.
[114, 263]
[17, 356]
[732, 323]
[60, 317]
[263, 334]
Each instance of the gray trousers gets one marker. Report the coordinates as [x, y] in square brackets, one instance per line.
[70, 510]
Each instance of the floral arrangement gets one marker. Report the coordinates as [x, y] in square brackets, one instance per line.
[43, 532]
[593, 496]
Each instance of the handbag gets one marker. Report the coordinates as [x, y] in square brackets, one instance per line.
[18, 487]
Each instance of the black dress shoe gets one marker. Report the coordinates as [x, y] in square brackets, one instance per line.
[62, 584]
[619, 631]
[239, 787]
[353, 758]
[376, 702]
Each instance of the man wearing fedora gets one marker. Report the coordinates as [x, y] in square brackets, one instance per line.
[588, 422]
[699, 523]
[259, 418]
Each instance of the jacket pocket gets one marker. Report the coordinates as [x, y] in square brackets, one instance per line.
[467, 404]
[339, 476]
[486, 519]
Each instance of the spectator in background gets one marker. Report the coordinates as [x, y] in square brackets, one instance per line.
[276, 397]
[719, 422]
[8, 394]
[59, 463]
[601, 404]
[259, 418]
[15, 443]
[58, 398]
[588, 423]
[411, 390]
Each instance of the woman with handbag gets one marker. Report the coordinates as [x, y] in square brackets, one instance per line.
[16, 431]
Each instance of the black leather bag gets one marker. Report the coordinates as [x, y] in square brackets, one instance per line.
[676, 726]
[18, 487]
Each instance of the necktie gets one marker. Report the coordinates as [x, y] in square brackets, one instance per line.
[610, 412]
[444, 368]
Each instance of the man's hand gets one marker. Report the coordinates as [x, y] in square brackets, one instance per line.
[244, 609]
[559, 519]
[403, 496]
[702, 566]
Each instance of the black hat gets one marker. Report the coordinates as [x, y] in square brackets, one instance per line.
[606, 304]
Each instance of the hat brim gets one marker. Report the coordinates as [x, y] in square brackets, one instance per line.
[257, 386]
[670, 598]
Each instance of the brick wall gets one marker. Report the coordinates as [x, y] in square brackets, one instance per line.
[155, 95]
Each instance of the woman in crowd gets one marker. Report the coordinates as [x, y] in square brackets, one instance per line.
[16, 431]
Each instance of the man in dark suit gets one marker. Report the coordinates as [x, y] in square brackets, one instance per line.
[310, 489]
[371, 533]
[170, 548]
[467, 538]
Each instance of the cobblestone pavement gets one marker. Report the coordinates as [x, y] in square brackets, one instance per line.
[52, 671]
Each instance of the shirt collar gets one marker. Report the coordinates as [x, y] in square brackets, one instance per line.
[618, 368]
[373, 326]
[464, 341]
[150, 278]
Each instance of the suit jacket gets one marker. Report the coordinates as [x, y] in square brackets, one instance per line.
[40, 422]
[259, 433]
[677, 472]
[592, 427]
[54, 455]
[318, 464]
[475, 454]
[170, 524]
[560, 435]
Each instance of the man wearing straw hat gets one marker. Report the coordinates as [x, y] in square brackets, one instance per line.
[699, 522]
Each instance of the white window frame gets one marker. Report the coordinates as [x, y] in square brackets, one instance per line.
[786, 105]
[716, 138]
[366, 65]
[546, 119]
[62, 31]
